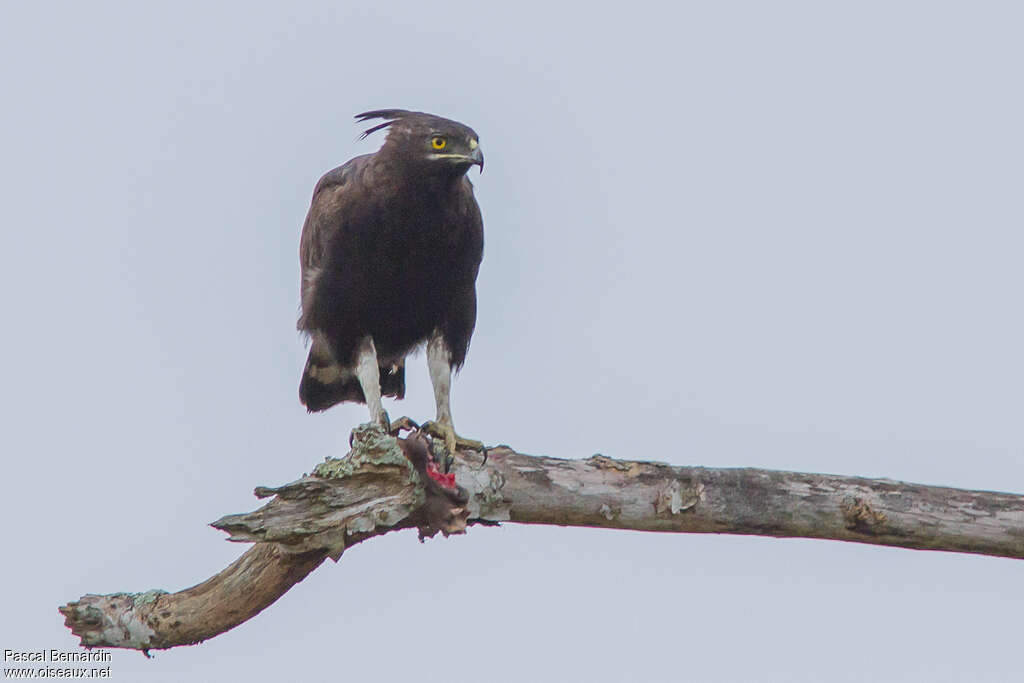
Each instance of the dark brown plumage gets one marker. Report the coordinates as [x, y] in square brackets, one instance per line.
[389, 253]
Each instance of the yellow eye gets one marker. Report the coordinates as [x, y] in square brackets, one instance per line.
[438, 142]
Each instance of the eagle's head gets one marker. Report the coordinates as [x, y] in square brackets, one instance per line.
[429, 142]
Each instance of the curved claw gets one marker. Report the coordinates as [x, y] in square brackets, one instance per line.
[403, 423]
[452, 441]
[443, 431]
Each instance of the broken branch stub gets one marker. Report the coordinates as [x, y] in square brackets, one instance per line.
[387, 483]
[381, 485]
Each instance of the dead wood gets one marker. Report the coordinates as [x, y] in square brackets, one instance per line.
[383, 485]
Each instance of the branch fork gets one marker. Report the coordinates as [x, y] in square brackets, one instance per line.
[386, 483]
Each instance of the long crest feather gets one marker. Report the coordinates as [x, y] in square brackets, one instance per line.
[391, 114]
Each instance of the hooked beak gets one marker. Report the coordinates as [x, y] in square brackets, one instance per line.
[474, 158]
[478, 158]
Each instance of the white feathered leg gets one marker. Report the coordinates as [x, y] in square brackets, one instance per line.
[368, 372]
[439, 362]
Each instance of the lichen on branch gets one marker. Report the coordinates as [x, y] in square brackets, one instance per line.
[385, 484]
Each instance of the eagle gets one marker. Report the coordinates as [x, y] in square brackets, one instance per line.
[389, 255]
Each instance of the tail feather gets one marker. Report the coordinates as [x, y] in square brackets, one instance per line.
[325, 383]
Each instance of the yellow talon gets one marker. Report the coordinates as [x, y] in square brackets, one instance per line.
[452, 441]
[402, 424]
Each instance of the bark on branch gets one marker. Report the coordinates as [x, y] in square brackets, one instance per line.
[383, 485]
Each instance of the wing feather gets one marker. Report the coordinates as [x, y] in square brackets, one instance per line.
[325, 222]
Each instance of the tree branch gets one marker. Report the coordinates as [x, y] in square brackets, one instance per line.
[383, 484]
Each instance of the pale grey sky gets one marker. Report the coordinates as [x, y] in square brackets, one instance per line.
[768, 234]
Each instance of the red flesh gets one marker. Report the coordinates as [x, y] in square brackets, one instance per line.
[445, 480]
